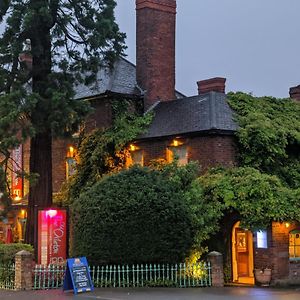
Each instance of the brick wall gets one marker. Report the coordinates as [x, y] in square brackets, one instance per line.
[280, 251]
[155, 61]
[101, 116]
[276, 255]
[208, 150]
[262, 255]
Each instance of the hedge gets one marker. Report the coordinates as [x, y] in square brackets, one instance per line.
[135, 216]
[8, 251]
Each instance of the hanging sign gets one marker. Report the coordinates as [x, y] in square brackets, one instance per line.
[77, 276]
[52, 236]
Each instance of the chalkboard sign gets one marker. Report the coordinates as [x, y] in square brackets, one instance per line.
[77, 277]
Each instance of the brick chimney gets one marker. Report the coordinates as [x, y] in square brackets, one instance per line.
[295, 93]
[155, 49]
[216, 84]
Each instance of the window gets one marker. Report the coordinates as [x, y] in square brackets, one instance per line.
[179, 153]
[262, 239]
[70, 162]
[136, 157]
[294, 245]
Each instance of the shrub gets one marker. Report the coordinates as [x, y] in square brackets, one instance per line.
[135, 216]
[8, 251]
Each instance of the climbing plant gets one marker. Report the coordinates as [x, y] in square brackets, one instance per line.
[269, 135]
[103, 151]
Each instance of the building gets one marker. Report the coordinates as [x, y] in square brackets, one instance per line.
[192, 128]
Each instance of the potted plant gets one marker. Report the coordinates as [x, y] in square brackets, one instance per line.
[263, 276]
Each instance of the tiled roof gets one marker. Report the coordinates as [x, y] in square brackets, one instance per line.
[190, 115]
[120, 80]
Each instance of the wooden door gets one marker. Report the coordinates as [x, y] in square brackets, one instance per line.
[242, 252]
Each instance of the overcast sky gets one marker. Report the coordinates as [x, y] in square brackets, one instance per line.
[255, 44]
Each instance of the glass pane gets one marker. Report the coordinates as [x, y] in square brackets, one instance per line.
[262, 241]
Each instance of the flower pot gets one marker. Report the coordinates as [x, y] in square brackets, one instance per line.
[263, 276]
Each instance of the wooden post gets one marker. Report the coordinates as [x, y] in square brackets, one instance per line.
[217, 273]
[23, 272]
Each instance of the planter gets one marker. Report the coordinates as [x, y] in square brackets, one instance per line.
[263, 276]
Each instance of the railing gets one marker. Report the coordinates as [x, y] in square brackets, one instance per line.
[152, 275]
[147, 275]
[7, 277]
[48, 277]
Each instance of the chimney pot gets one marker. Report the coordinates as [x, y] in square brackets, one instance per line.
[216, 84]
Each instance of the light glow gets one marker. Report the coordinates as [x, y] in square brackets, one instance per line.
[287, 225]
[71, 151]
[132, 147]
[51, 213]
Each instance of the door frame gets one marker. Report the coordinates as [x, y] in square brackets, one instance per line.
[235, 277]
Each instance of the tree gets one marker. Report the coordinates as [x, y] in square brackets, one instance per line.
[69, 41]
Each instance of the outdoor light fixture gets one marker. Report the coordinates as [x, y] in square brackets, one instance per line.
[176, 143]
[133, 147]
[287, 225]
[71, 151]
[51, 213]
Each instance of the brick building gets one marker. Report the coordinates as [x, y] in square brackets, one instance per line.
[199, 128]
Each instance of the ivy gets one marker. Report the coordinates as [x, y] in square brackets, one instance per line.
[269, 135]
[265, 186]
[258, 198]
[103, 152]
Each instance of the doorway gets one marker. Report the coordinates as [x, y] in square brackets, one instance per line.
[242, 255]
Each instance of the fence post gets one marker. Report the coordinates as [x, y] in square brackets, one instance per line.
[23, 272]
[217, 273]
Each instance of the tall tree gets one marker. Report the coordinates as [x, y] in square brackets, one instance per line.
[68, 41]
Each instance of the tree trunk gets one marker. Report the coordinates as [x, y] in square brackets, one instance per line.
[40, 193]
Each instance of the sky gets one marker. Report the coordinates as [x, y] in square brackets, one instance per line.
[255, 44]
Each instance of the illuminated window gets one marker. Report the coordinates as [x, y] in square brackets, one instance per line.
[70, 162]
[261, 239]
[294, 245]
[136, 157]
[179, 153]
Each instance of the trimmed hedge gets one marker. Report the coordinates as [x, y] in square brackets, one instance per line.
[135, 216]
[8, 251]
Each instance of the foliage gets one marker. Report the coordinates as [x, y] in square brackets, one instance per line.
[137, 215]
[258, 198]
[8, 252]
[68, 41]
[103, 151]
[269, 135]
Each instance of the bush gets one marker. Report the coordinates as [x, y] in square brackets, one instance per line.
[135, 216]
[8, 252]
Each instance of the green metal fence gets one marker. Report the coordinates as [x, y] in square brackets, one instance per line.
[139, 275]
[152, 275]
[7, 277]
[48, 277]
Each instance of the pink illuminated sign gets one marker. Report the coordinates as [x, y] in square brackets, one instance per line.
[52, 236]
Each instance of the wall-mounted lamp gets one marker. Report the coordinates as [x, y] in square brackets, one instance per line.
[287, 225]
[176, 143]
[133, 147]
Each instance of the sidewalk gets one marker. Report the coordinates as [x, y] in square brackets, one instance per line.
[227, 293]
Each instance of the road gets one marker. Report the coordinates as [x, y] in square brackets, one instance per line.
[227, 293]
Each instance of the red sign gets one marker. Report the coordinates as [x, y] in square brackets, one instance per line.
[52, 236]
[17, 168]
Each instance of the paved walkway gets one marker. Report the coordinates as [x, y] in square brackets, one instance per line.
[227, 293]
